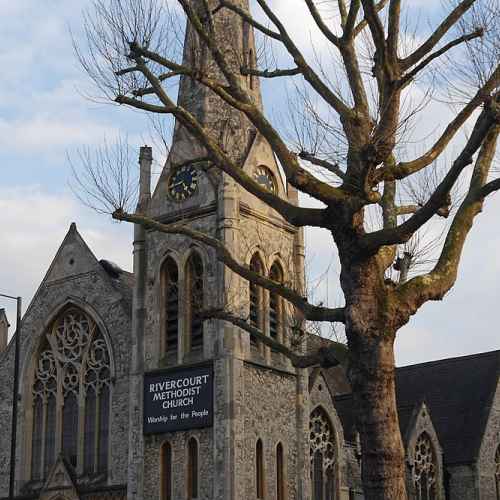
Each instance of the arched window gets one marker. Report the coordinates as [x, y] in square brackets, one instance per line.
[322, 455]
[166, 471]
[194, 289]
[170, 300]
[425, 469]
[72, 365]
[192, 469]
[280, 473]
[256, 296]
[497, 472]
[276, 306]
[259, 469]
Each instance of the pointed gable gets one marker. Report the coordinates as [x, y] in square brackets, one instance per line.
[60, 480]
[458, 393]
[73, 257]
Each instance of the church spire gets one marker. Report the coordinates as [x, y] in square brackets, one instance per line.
[236, 39]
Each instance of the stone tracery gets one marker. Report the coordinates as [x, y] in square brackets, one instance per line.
[73, 365]
[323, 455]
[425, 468]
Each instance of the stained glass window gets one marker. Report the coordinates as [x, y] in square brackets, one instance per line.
[192, 479]
[425, 469]
[166, 471]
[259, 469]
[275, 305]
[322, 455]
[73, 365]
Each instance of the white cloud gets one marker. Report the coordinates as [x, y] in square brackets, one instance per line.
[34, 223]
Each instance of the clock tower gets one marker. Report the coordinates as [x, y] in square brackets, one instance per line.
[258, 437]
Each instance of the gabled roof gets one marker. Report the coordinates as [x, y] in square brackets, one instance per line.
[74, 257]
[459, 394]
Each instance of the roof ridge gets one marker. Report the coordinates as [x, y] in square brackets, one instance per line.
[450, 360]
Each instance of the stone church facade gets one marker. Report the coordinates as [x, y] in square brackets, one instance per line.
[93, 332]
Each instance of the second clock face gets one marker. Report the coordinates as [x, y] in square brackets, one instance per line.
[265, 178]
[183, 182]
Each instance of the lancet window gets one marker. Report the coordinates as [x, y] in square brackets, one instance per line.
[497, 472]
[194, 288]
[280, 473]
[192, 469]
[256, 295]
[425, 469]
[170, 299]
[73, 365]
[166, 471]
[259, 469]
[323, 456]
[276, 306]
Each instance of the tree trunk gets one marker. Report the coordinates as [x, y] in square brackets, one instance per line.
[373, 383]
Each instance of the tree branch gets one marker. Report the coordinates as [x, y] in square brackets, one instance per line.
[404, 169]
[434, 285]
[311, 312]
[325, 357]
[465, 38]
[270, 74]
[438, 34]
[400, 234]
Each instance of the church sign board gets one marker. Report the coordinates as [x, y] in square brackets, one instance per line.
[178, 399]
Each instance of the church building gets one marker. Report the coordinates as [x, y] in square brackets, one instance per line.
[127, 393]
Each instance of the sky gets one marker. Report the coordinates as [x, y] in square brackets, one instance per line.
[46, 116]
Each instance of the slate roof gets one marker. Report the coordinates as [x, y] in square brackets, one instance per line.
[459, 393]
[335, 377]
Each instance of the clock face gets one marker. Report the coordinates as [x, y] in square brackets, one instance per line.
[183, 182]
[265, 178]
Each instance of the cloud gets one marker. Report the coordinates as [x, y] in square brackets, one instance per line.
[34, 223]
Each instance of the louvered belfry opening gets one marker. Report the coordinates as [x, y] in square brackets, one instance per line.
[275, 305]
[256, 300]
[170, 286]
[194, 288]
[71, 390]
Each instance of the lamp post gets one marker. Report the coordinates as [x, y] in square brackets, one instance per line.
[15, 392]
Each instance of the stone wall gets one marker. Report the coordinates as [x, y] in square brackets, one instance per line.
[489, 446]
[268, 412]
[77, 278]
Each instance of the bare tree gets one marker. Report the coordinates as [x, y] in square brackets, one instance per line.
[349, 154]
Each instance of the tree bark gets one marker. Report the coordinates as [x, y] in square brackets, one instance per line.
[372, 320]
[373, 383]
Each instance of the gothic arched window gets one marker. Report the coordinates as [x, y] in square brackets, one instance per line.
[322, 455]
[170, 301]
[166, 471]
[497, 472]
[259, 469]
[425, 468]
[72, 365]
[276, 306]
[192, 469]
[280, 473]
[194, 290]
[256, 295]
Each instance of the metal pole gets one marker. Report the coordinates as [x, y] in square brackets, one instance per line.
[15, 393]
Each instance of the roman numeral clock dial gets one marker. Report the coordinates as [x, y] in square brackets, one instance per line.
[183, 182]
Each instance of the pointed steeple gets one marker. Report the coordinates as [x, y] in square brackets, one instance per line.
[227, 125]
